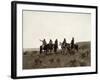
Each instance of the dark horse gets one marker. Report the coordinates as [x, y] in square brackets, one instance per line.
[55, 45]
[46, 48]
[75, 46]
[65, 47]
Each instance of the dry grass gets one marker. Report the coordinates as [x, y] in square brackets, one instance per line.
[34, 60]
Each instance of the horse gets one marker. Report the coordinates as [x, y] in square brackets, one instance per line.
[65, 47]
[46, 48]
[50, 47]
[76, 47]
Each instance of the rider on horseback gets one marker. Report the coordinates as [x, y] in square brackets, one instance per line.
[43, 42]
[51, 45]
[56, 45]
[50, 42]
[72, 43]
[56, 42]
[64, 42]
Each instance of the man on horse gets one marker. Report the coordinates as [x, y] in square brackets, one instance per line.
[64, 43]
[50, 45]
[64, 46]
[50, 42]
[56, 45]
[43, 46]
[72, 43]
[43, 42]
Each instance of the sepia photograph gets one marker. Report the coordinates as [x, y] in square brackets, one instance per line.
[56, 39]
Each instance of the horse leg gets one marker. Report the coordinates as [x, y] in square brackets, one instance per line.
[50, 50]
[77, 47]
[63, 51]
[66, 51]
[55, 50]
[46, 51]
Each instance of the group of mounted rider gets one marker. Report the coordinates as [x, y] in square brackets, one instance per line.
[49, 47]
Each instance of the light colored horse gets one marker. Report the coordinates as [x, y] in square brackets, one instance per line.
[65, 47]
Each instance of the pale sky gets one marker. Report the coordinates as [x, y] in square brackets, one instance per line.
[51, 25]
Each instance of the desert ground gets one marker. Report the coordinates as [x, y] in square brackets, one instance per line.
[32, 59]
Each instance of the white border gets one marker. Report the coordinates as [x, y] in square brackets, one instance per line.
[34, 72]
